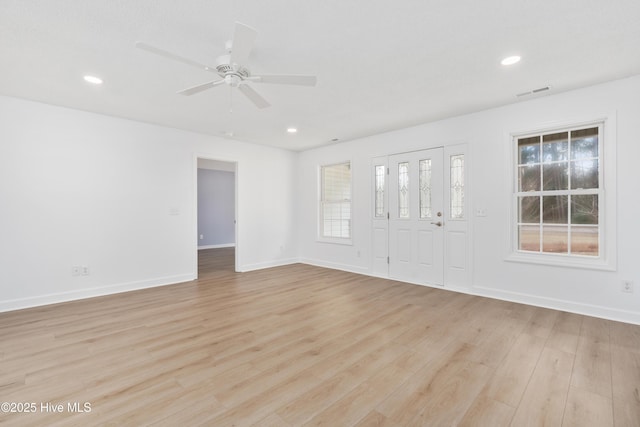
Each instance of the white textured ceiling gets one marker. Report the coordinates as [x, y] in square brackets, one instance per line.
[381, 65]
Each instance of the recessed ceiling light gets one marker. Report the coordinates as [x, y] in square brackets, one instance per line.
[292, 130]
[510, 60]
[93, 79]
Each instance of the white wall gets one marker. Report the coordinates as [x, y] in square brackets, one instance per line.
[78, 188]
[584, 291]
[118, 196]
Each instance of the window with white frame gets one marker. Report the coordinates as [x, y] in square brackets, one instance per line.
[559, 193]
[335, 202]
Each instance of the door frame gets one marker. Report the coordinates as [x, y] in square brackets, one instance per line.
[456, 275]
[236, 208]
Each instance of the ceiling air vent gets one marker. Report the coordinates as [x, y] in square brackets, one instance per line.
[531, 92]
[542, 89]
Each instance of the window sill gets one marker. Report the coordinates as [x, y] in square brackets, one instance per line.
[335, 240]
[566, 261]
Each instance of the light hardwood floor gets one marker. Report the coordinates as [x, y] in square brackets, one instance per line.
[306, 346]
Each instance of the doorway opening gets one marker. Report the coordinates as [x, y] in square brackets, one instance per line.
[216, 213]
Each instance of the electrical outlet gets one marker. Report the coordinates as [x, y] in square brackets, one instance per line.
[75, 270]
[627, 286]
[84, 270]
[201, 236]
[481, 212]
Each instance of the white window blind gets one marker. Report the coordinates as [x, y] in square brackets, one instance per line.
[335, 203]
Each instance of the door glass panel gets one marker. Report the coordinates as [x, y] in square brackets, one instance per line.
[379, 198]
[457, 186]
[403, 190]
[425, 188]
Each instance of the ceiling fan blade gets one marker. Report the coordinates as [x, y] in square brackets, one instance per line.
[286, 80]
[242, 44]
[200, 88]
[253, 96]
[173, 56]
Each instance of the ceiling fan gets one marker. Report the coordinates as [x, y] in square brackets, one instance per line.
[231, 67]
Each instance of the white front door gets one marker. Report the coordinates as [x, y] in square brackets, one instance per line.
[380, 217]
[417, 217]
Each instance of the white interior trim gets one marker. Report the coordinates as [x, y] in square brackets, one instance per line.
[224, 245]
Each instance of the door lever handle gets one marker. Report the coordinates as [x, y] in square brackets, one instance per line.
[439, 223]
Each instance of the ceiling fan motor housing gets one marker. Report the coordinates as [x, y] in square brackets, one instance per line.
[226, 68]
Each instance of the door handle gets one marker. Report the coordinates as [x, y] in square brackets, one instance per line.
[439, 223]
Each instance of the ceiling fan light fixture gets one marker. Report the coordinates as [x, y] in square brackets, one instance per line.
[510, 60]
[232, 80]
[92, 79]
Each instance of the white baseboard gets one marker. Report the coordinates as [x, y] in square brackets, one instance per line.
[261, 265]
[558, 304]
[224, 245]
[499, 294]
[20, 303]
[337, 266]
[484, 291]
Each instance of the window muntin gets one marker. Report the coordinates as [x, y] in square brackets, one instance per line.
[335, 210]
[558, 192]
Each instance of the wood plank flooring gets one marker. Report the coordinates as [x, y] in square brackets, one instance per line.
[306, 346]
